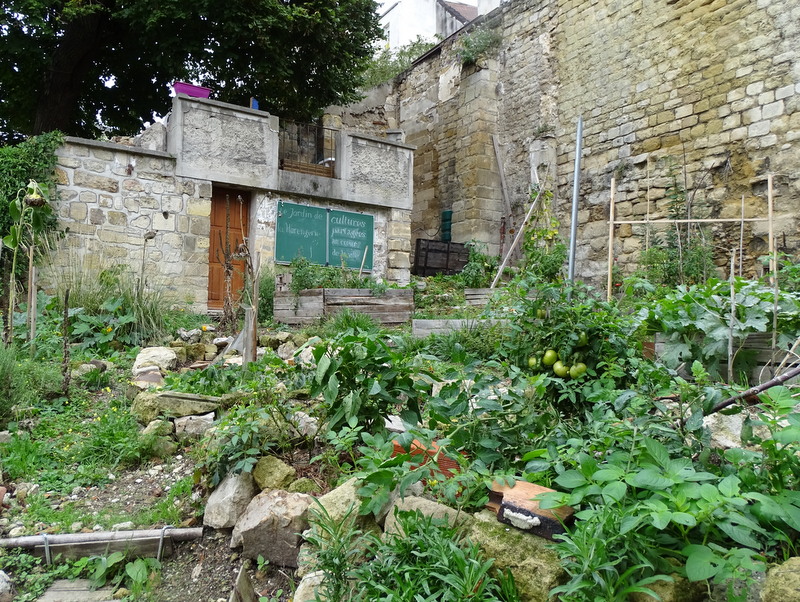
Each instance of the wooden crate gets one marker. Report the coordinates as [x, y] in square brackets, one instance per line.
[436, 257]
[393, 306]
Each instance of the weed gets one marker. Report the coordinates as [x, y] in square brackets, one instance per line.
[31, 576]
[476, 45]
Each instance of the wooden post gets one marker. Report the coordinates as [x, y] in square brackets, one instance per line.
[503, 189]
[249, 353]
[610, 282]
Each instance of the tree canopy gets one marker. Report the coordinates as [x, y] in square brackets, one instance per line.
[69, 61]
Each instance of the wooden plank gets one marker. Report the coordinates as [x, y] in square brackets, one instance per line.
[423, 328]
[243, 590]
[79, 590]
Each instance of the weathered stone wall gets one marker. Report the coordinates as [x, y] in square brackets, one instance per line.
[111, 194]
[706, 91]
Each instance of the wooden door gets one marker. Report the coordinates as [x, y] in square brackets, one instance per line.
[232, 207]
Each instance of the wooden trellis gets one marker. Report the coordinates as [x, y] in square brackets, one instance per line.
[612, 223]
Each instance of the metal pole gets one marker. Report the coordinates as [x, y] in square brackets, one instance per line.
[573, 226]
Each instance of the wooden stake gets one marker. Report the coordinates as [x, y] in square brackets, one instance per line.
[503, 187]
[732, 320]
[516, 239]
[741, 240]
[611, 239]
[65, 374]
[773, 261]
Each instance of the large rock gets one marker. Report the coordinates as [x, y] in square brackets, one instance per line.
[426, 507]
[536, 569]
[680, 589]
[783, 582]
[147, 406]
[273, 473]
[164, 358]
[271, 526]
[228, 501]
[309, 588]
[193, 426]
[7, 588]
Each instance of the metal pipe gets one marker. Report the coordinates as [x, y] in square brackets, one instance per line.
[30, 541]
[573, 226]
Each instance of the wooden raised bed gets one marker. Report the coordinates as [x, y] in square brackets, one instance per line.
[393, 306]
[423, 328]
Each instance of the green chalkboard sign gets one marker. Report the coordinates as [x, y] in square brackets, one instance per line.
[323, 236]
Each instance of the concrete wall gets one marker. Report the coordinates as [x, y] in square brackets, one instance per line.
[705, 90]
[110, 194]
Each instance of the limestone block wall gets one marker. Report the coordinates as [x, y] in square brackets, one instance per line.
[702, 93]
[110, 195]
[707, 89]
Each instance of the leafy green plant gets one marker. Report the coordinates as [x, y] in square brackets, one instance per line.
[244, 434]
[645, 494]
[480, 268]
[698, 320]
[30, 574]
[476, 44]
[29, 212]
[338, 547]
[112, 297]
[389, 63]
[427, 555]
[138, 575]
[544, 252]
[360, 375]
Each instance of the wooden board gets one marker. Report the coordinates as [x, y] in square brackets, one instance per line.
[79, 590]
[394, 306]
[423, 328]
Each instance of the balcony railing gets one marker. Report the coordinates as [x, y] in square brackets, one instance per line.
[307, 148]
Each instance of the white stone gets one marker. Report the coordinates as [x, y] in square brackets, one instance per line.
[126, 526]
[307, 589]
[7, 588]
[229, 500]
[193, 426]
[164, 358]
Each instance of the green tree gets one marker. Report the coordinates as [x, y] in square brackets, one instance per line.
[68, 61]
[389, 63]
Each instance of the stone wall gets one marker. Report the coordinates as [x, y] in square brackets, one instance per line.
[111, 194]
[701, 93]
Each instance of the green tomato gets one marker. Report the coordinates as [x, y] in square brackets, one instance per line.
[541, 313]
[533, 362]
[583, 339]
[560, 369]
[550, 357]
[577, 370]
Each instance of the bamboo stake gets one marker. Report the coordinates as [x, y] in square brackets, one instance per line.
[741, 240]
[706, 220]
[516, 238]
[773, 265]
[732, 320]
[610, 282]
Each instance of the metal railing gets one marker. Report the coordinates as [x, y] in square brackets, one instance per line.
[307, 148]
